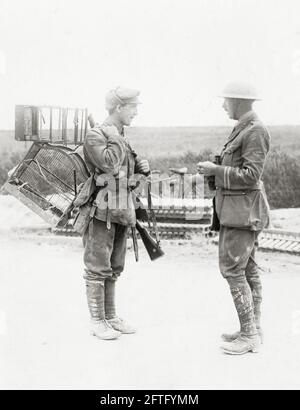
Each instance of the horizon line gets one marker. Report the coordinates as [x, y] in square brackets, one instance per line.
[184, 126]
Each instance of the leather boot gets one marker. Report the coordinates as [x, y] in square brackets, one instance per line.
[247, 339]
[122, 326]
[99, 326]
[104, 331]
[230, 337]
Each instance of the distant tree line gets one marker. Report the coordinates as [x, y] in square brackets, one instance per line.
[281, 174]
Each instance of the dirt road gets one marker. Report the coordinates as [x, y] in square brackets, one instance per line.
[180, 305]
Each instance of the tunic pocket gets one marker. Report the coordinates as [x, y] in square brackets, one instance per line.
[241, 209]
[227, 157]
[232, 155]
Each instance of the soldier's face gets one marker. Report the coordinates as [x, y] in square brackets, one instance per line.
[127, 113]
[230, 106]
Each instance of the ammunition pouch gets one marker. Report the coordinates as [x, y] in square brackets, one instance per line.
[83, 218]
[85, 191]
[84, 203]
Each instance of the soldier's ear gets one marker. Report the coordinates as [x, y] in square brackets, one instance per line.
[119, 108]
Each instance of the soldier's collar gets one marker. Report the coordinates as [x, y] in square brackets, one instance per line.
[243, 122]
[246, 118]
[110, 121]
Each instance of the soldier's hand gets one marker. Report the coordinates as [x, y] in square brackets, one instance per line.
[143, 166]
[121, 174]
[206, 168]
[110, 131]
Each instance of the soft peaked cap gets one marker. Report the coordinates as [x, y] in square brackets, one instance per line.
[121, 95]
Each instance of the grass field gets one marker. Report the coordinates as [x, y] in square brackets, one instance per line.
[165, 141]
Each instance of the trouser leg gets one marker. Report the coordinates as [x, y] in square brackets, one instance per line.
[235, 249]
[104, 258]
[99, 243]
[119, 250]
[117, 266]
[98, 246]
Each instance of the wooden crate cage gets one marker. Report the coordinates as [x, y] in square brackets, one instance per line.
[47, 180]
[59, 125]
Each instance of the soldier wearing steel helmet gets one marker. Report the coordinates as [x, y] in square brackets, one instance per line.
[242, 210]
[112, 163]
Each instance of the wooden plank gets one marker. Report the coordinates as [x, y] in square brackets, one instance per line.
[287, 245]
[291, 247]
[296, 248]
[280, 245]
[282, 232]
[266, 242]
[276, 244]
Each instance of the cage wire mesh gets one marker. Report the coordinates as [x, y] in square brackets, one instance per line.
[47, 180]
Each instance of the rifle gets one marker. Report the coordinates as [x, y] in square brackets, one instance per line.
[152, 247]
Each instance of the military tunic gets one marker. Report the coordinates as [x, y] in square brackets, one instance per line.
[111, 162]
[240, 199]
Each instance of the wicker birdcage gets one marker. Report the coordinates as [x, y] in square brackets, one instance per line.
[47, 179]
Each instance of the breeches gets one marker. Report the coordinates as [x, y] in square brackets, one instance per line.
[237, 253]
[104, 251]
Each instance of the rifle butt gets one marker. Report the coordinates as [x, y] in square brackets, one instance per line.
[153, 248]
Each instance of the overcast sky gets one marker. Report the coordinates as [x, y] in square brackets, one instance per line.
[178, 53]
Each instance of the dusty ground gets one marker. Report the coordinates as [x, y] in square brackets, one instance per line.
[179, 304]
[288, 219]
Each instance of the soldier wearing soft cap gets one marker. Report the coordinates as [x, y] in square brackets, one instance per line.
[242, 212]
[112, 162]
